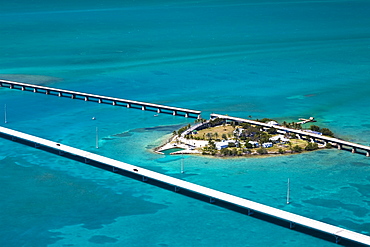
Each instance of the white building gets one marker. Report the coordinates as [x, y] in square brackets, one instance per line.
[223, 144]
[255, 144]
[238, 131]
[267, 144]
[272, 123]
[280, 138]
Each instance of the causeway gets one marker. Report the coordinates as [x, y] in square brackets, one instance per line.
[248, 207]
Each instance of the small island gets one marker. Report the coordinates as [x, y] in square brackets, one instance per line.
[225, 138]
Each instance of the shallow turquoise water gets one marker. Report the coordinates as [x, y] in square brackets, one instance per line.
[280, 59]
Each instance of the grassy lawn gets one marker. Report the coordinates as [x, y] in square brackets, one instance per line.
[276, 147]
[220, 130]
[301, 143]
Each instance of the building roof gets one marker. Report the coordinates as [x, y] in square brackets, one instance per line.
[277, 137]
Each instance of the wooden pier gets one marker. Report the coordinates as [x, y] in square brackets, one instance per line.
[247, 207]
[300, 133]
[176, 111]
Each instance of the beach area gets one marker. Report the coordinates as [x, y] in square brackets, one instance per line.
[282, 60]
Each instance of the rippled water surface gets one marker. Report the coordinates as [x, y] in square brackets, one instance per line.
[277, 59]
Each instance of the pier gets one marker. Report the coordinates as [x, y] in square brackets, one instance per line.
[176, 111]
[257, 210]
[301, 133]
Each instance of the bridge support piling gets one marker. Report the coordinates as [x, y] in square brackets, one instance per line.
[238, 204]
[353, 150]
[177, 189]
[367, 154]
[339, 146]
[114, 169]
[337, 239]
[175, 111]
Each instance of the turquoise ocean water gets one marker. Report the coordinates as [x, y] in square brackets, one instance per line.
[277, 59]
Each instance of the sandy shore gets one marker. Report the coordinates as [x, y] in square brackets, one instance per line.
[189, 146]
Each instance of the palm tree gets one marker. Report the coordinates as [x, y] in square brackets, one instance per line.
[216, 135]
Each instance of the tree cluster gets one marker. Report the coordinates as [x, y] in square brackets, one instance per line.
[210, 149]
[231, 152]
[292, 125]
[311, 146]
[324, 131]
[181, 130]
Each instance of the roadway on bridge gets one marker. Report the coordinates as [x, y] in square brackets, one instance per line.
[184, 185]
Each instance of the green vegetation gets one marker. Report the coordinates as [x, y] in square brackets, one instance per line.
[210, 149]
[327, 132]
[242, 134]
[231, 152]
[311, 146]
[248, 145]
[272, 131]
[292, 125]
[324, 131]
[213, 133]
[265, 120]
[262, 151]
[297, 149]
[181, 130]
[315, 128]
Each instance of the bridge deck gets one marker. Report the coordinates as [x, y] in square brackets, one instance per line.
[95, 96]
[211, 193]
[300, 132]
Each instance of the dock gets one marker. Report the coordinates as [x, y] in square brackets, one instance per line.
[175, 111]
[304, 120]
[254, 209]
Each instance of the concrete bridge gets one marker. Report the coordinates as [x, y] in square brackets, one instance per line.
[300, 134]
[101, 99]
[257, 210]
